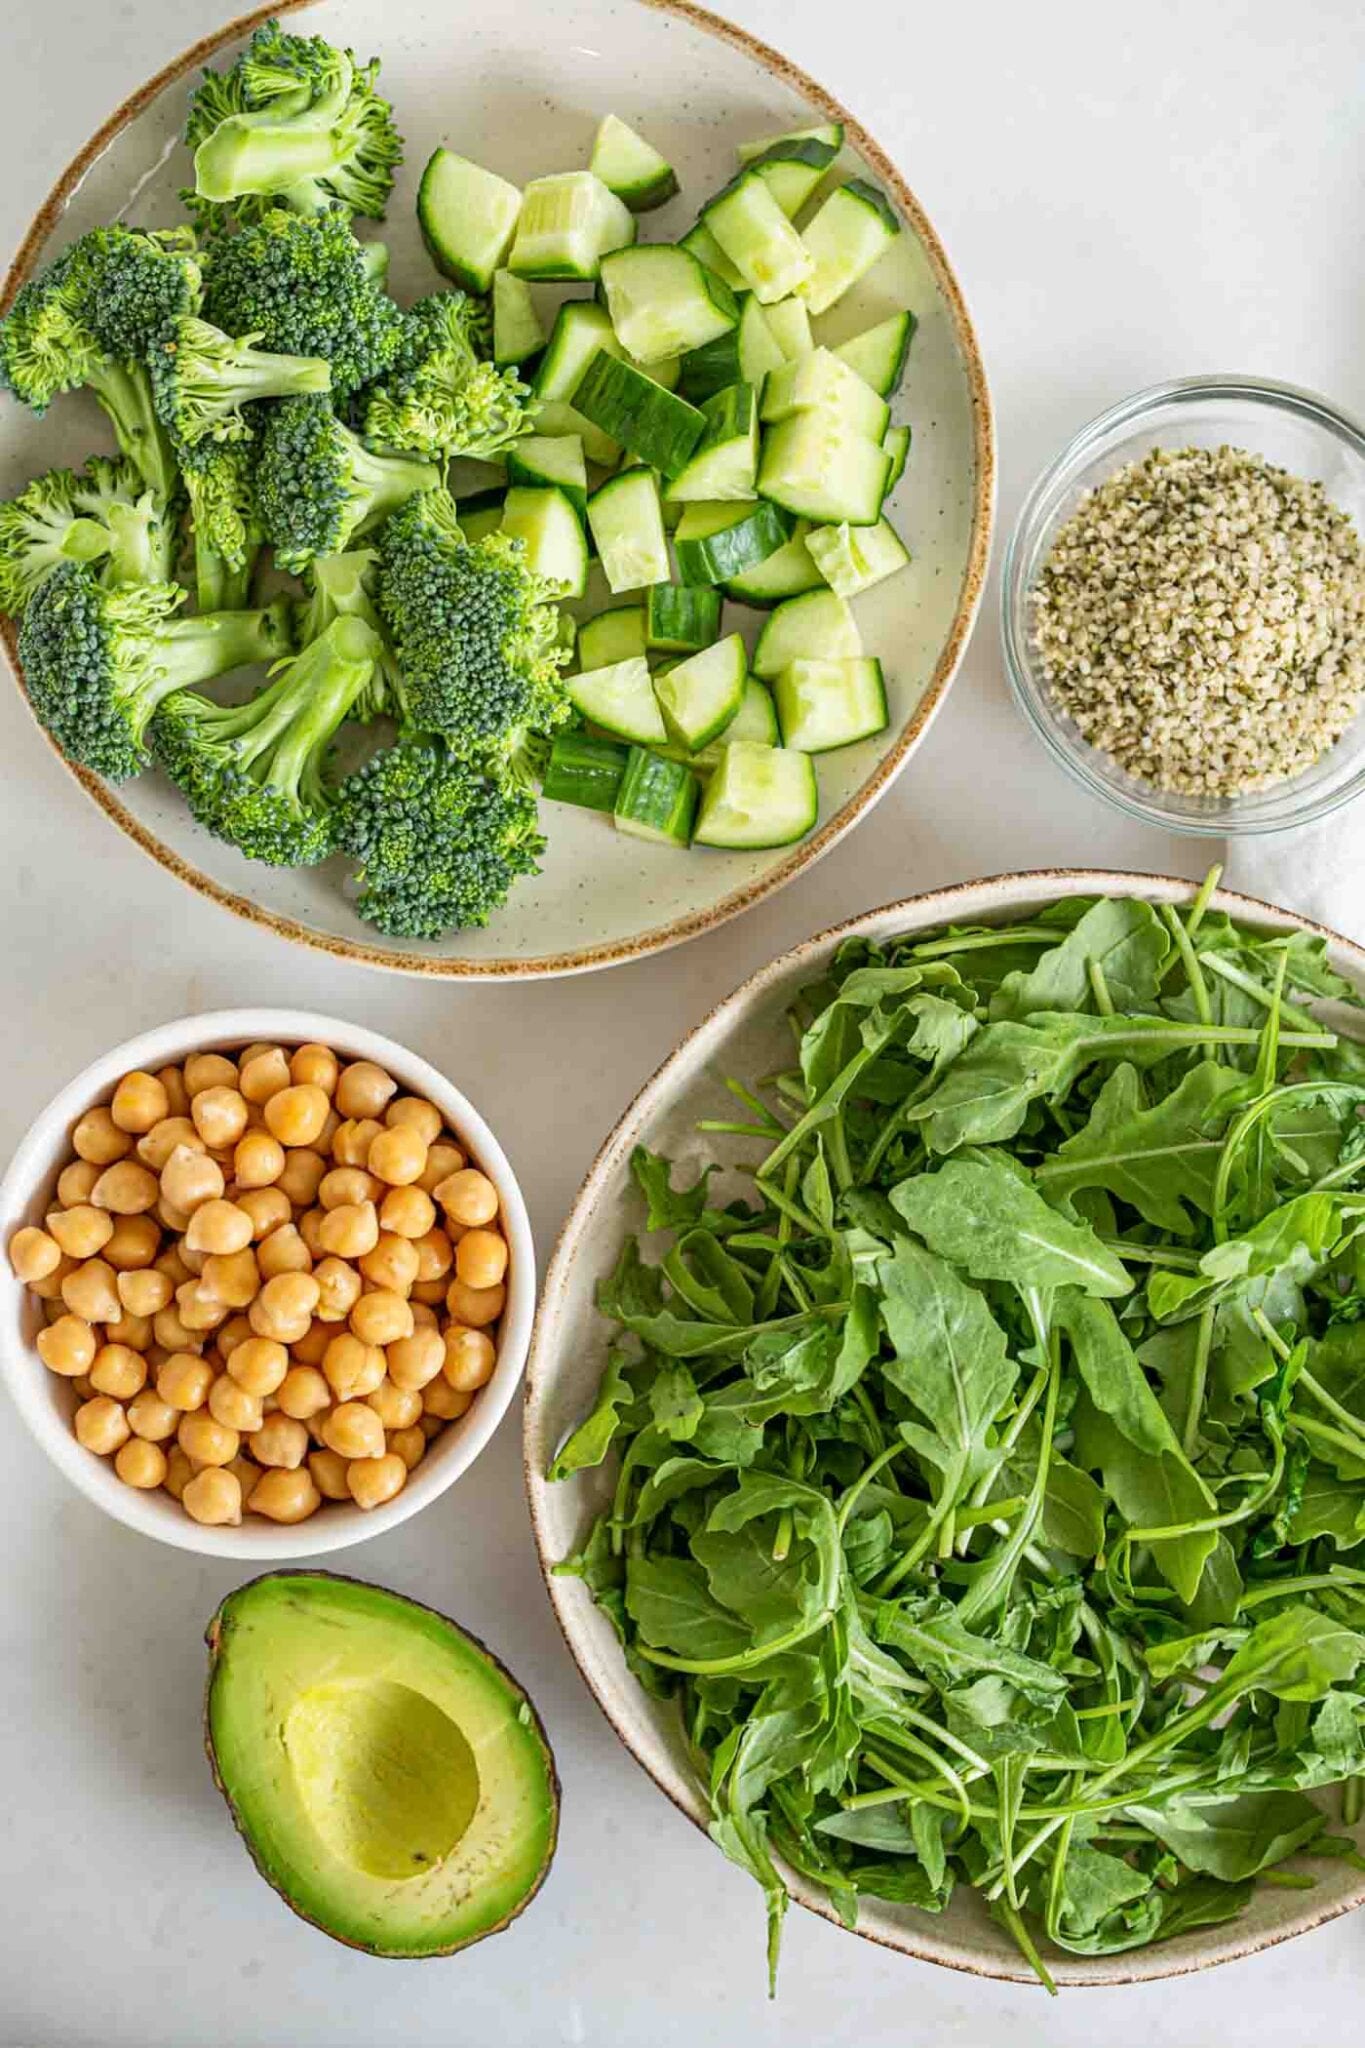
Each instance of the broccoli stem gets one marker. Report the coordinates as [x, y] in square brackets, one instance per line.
[293, 719]
[141, 544]
[259, 153]
[219, 587]
[191, 651]
[125, 392]
[381, 483]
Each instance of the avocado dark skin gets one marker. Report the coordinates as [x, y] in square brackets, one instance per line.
[334, 1725]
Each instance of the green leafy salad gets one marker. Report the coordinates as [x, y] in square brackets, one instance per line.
[988, 1475]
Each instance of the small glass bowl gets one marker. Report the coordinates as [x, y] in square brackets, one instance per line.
[1295, 430]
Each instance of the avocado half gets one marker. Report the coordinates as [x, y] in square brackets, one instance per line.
[391, 1780]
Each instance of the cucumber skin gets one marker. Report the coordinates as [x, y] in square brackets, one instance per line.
[610, 394]
[584, 771]
[681, 620]
[653, 783]
[717, 557]
[716, 796]
[449, 264]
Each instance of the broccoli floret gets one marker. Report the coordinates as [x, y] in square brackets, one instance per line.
[319, 486]
[106, 515]
[439, 844]
[443, 398]
[225, 522]
[477, 632]
[97, 662]
[295, 121]
[201, 379]
[306, 288]
[48, 344]
[343, 587]
[137, 280]
[253, 773]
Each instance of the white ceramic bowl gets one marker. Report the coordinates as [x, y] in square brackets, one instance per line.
[44, 1400]
[520, 88]
[748, 1034]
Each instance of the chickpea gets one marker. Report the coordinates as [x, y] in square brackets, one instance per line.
[172, 1265]
[375, 1480]
[394, 1263]
[285, 1496]
[219, 1116]
[415, 1361]
[197, 1307]
[75, 1181]
[264, 1074]
[284, 1307]
[477, 1307]
[49, 1289]
[443, 1159]
[348, 1184]
[257, 1160]
[134, 1331]
[140, 1101]
[268, 1208]
[424, 1316]
[381, 1317]
[183, 1382]
[258, 1364]
[329, 1474]
[409, 1444]
[432, 1425]
[67, 1346]
[468, 1197]
[102, 1426]
[140, 1463]
[98, 1138]
[152, 1418]
[297, 1114]
[214, 1498]
[396, 1407]
[407, 1212]
[279, 1440]
[469, 1360]
[133, 1244]
[170, 1218]
[363, 1089]
[284, 1251]
[350, 1230]
[315, 1066]
[33, 1255]
[233, 1406]
[309, 1227]
[189, 1179]
[235, 1331]
[82, 1231]
[331, 1125]
[126, 1188]
[206, 1441]
[414, 1110]
[443, 1403]
[353, 1431]
[311, 1347]
[157, 1145]
[352, 1140]
[352, 1369]
[172, 1333]
[179, 1472]
[118, 1371]
[303, 1393]
[232, 1277]
[398, 1155]
[208, 1070]
[172, 1080]
[481, 1259]
[435, 1257]
[245, 1470]
[302, 1175]
[338, 1289]
[90, 1292]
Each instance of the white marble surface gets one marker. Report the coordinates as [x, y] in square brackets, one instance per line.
[1125, 198]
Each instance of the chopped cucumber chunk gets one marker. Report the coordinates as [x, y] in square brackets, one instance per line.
[758, 238]
[758, 796]
[756, 719]
[785, 574]
[853, 228]
[517, 329]
[789, 325]
[657, 799]
[468, 217]
[725, 465]
[631, 167]
[681, 621]
[568, 223]
[878, 353]
[546, 521]
[700, 696]
[816, 627]
[822, 470]
[584, 770]
[581, 329]
[663, 302]
[716, 542]
[820, 380]
[627, 526]
[896, 448]
[791, 170]
[611, 637]
[744, 355]
[655, 425]
[707, 250]
[480, 512]
[853, 558]
[830, 133]
[827, 704]
[555, 459]
[620, 699]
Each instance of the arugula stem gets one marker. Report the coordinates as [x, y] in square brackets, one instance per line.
[1199, 1379]
[983, 1593]
[1352, 1796]
[1288, 1013]
[1099, 988]
[1189, 959]
[1341, 1575]
[1204, 896]
[1017, 934]
[1334, 1408]
[1014, 1920]
[868, 1472]
[1337, 1439]
[743, 1660]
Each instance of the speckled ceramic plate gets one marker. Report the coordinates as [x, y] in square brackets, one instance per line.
[521, 90]
[748, 1034]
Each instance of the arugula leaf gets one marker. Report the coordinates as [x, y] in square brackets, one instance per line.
[1162, 1160]
[984, 1217]
[1123, 937]
[669, 1208]
[667, 1599]
[1236, 1834]
[950, 1362]
[589, 1443]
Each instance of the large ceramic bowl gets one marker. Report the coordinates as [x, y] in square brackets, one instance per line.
[520, 88]
[748, 1033]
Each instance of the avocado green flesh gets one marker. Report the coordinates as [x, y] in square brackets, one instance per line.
[389, 1778]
